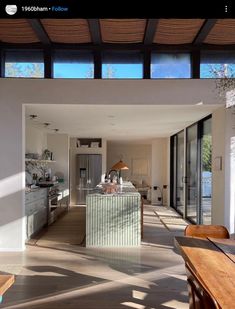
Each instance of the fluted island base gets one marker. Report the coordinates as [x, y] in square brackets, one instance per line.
[114, 220]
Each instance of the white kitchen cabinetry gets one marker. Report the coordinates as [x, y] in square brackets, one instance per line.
[36, 211]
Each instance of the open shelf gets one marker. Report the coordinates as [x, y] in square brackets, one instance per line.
[89, 143]
[38, 160]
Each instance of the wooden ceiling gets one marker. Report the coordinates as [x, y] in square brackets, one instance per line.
[174, 32]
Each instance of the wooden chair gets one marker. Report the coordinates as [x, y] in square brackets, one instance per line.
[199, 296]
[203, 231]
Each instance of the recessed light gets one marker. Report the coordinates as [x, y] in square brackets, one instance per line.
[32, 117]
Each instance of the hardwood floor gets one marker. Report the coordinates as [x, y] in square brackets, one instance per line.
[69, 229]
[56, 272]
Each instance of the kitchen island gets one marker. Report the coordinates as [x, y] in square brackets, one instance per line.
[114, 220]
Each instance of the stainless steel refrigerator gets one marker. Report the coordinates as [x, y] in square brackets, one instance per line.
[89, 170]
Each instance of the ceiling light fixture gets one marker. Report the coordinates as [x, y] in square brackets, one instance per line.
[120, 166]
[32, 117]
[56, 130]
[46, 124]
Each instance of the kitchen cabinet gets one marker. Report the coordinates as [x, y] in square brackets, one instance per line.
[36, 211]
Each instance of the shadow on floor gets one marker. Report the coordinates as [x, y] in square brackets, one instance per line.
[67, 289]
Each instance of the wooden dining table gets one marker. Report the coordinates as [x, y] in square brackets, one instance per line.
[6, 282]
[213, 261]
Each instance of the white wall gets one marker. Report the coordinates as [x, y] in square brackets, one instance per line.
[229, 211]
[35, 140]
[72, 161]
[218, 176]
[159, 168]
[59, 145]
[12, 178]
[127, 153]
[223, 188]
[72, 91]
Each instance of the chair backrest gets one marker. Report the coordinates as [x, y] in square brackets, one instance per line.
[199, 296]
[203, 231]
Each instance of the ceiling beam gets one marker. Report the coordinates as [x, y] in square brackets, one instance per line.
[94, 26]
[39, 31]
[150, 31]
[113, 46]
[204, 31]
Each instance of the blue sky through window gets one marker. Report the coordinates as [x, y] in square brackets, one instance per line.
[223, 70]
[73, 70]
[122, 70]
[24, 69]
[170, 66]
[161, 67]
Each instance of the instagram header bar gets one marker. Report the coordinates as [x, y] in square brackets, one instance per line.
[87, 9]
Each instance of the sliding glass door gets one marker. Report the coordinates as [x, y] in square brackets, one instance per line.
[178, 171]
[191, 172]
[206, 175]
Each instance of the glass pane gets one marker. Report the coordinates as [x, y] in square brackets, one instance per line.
[174, 162]
[73, 64]
[25, 64]
[73, 70]
[206, 185]
[170, 66]
[180, 173]
[192, 173]
[122, 65]
[217, 65]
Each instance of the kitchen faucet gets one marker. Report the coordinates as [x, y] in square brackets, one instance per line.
[115, 172]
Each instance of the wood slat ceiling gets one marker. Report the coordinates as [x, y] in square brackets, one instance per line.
[222, 33]
[122, 30]
[17, 31]
[177, 31]
[117, 31]
[67, 30]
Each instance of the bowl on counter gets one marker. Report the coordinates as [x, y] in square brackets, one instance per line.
[109, 188]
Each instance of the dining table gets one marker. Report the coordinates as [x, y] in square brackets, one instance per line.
[213, 261]
[6, 282]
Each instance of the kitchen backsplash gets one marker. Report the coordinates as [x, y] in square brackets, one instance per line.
[38, 168]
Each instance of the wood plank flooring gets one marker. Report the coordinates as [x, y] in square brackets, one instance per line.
[69, 229]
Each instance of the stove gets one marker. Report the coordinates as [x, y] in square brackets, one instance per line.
[53, 193]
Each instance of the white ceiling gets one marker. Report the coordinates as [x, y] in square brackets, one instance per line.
[115, 122]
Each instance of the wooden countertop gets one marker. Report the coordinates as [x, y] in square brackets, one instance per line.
[210, 261]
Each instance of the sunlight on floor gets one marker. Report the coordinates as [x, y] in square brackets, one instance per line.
[175, 304]
[138, 294]
[133, 305]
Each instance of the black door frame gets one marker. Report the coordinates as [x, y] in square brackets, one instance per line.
[199, 171]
